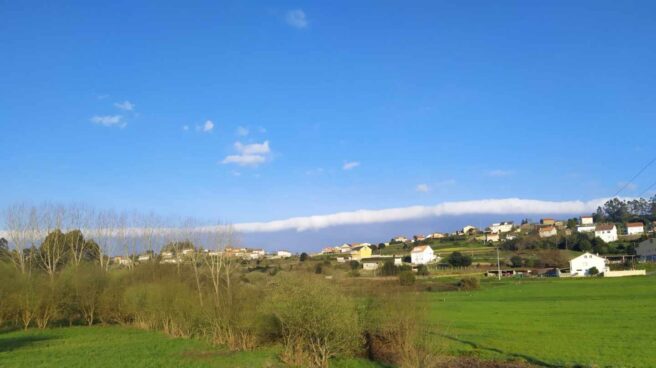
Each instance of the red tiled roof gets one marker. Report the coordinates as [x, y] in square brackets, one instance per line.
[604, 227]
[635, 224]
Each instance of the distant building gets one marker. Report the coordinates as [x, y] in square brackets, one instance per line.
[358, 253]
[606, 232]
[547, 231]
[587, 220]
[419, 238]
[492, 237]
[502, 227]
[435, 236]
[123, 261]
[468, 230]
[144, 257]
[646, 250]
[581, 265]
[400, 239]
[635, 228]
[422, 255]
[328, 250]
[283, 254]
[547, 221]
[344, 248]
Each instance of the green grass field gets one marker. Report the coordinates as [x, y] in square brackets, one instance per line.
[551, 322]
[127, 347]
[547, 322]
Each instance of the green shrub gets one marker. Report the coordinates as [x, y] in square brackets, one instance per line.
[469, 283]
[311, 330]
[407, 278]
[422, 270]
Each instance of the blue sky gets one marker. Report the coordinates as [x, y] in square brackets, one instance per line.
[335, 106]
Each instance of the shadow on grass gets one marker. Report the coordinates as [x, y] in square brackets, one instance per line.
[13, 343]
[530, 359]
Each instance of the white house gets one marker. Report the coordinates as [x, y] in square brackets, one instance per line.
[144, 257]
[581, 265]
[492, 237]
[547, 231]
[646, 250]
[435, 236]
[400, 239]
[283, 254]
[468, 229]
[502, 227]
[635, 228]
[345, 248]
[606, 232]
[585, 228]
[587, 220]
[422, 255]
[370, 265]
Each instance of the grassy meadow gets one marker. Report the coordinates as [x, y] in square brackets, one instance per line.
[551, 322]
[114, 346]
[543, 322]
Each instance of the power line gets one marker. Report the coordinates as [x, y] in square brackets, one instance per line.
[648, 189]
[635, 176]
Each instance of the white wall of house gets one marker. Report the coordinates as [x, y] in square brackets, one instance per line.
[370, 266]
[585, 228]
[581, 265]
[635, 230]
[587, 221]
[424, 256]
[283, 254]
[607, 235]
[501, 227]
[547, 233]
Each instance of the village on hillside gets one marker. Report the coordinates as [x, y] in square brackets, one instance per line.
[589, 245]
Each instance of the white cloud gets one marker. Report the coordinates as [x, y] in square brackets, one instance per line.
[500, 173]
[423, 188]
[486, 206]
[296, 18]
[254, 148]
[350, 165]
[185, 127]
[244, 160]
[242, 131]
[125, 106]
[249, 154]
[109, 120]
[208, 126]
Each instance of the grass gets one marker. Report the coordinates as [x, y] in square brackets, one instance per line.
[551, 322]
[113, 346]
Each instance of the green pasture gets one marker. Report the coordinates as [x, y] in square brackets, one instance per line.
[550, 322]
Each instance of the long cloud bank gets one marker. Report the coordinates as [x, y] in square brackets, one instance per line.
[486, 206]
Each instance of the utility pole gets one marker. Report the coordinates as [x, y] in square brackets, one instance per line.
[498, 264]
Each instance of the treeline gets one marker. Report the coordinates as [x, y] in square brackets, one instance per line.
[64, 278]
[617, 210]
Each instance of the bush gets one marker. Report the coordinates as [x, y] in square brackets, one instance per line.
[304, 257]
[422, 270]
[311, 330]
[469, 283]
[318, 269]
[457, 259]
[593, 271]
[354, 265]
[407, 278]
[516, 261]
[388, 269]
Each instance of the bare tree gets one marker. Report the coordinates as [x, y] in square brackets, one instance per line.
[79, 218]
[18, 228]
[52, 250]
